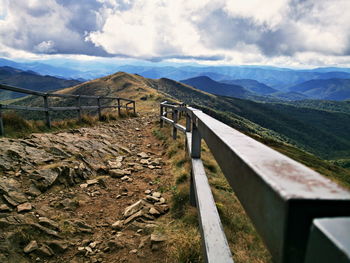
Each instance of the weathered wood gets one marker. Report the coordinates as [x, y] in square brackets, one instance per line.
[47, 112]
[329, 241]
[180, 127]
[188, 122]
[161, 115]
[99, 108]
[270, 186]
[175, 116]
[118, 101]
[18, 107]
[273, 188]
[196, 142]
[2, 132]
[79, 108]
[215, 245]
[20, 90]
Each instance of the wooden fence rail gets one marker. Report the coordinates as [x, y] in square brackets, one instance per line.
[300, 215]
[78, 108]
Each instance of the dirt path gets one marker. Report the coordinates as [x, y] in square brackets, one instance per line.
[84, 195]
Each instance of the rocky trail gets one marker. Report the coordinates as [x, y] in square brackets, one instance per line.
[84, 195]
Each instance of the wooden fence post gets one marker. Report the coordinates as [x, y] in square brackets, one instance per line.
[196, 142]
[118, 107]
[175, 117]
[134, 104]
[2, 132]
[99, 108]
[79, 108]
[188, 122]
[161, 115]
[47, 112]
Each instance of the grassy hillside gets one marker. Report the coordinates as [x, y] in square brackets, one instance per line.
[320, 132]
[30, 80]
[325, 89]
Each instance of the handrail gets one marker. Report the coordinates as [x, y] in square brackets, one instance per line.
[77, 108]
[281, 196]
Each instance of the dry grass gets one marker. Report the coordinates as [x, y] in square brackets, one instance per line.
[16, 126]
[245, 244]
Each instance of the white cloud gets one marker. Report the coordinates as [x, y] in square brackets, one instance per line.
[45, 47]
[230, 31]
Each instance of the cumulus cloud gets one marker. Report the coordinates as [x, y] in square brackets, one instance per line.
[235, 31]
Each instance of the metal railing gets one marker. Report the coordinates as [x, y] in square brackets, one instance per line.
[300, 215]
[47, 109]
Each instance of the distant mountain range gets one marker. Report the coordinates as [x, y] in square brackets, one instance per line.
[277, 78]
[30, 80]
[206, 84]
[324, 89]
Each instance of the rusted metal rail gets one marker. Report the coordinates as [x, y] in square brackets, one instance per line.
[129, 104]
[286, 201]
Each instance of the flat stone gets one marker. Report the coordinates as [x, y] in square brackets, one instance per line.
[147, 192]
[43, 179]
[45, 230]
[157, 237]
[157, 194]
[48, 223]
[44, 251]
[144, 161]
[152, 199]
[33, 245]
[133, 217]
[33, 191]
[92, 181]
[124, 178]
[134, 251]
[118, 225]
[154, 211]
[133, 208]
[4, 208]
[143, 155]
[118, 173]
[18, 197]
[57, 246]
[83, 186]
[24, 207]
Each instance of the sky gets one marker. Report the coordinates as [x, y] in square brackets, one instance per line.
[294, 33]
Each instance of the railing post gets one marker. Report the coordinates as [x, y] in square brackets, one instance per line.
[188, 122]
[2, 132]
[79, 108]
[99, 108]
[196, 141]
[47, 113]
[118, 107]
[175, 117]
[192, 192]
[161, 115]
